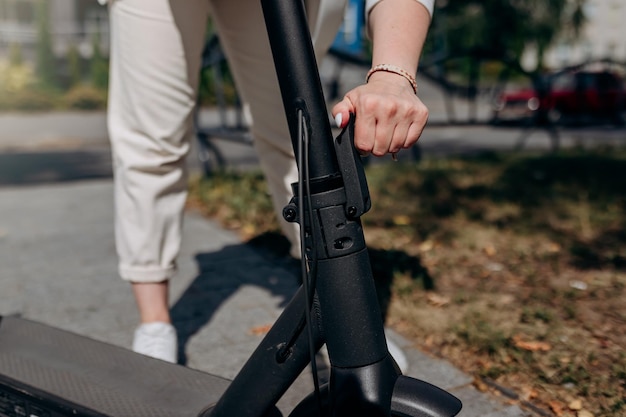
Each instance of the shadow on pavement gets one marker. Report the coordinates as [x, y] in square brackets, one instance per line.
[264, 262]
[20, 168]
[222, 274]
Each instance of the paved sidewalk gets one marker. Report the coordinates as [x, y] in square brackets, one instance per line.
[59, 267]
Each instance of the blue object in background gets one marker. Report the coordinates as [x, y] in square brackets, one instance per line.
[349, 39]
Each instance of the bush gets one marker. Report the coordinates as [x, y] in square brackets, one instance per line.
[84, 97]
[28, 100]
[14, 78]
[20, 90]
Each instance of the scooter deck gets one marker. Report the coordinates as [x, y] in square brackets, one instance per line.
[47, 372]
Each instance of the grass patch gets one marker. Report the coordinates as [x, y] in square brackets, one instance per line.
[513, 267]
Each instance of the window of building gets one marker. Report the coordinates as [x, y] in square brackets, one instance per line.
[18, 11]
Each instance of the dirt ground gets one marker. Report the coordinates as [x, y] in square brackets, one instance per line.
[512, 267]
[516, 272]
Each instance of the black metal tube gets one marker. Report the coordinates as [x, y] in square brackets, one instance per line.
[345, 284]
[351, 317]
[299, 81]
[268, 367]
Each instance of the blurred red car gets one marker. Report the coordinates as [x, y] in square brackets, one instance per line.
[572, 97]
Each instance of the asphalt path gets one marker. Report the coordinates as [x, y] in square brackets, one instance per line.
[65, 146]
[57, 148]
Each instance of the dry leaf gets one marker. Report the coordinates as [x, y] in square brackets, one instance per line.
[437, 300]
[532, 346]
[576, 405]
[554, 247]
[529, 393]
[490, 250]
[401, 220]
[260, 330]
[481, 386]
[426, 246]
[584, 413]
[556, 407]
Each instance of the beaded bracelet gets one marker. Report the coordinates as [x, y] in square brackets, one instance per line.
[395, 70]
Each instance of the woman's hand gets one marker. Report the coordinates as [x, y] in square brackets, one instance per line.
[389, 116]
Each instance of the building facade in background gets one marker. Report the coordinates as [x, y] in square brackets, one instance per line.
[604, 36]
[77, 22]
[70, 23]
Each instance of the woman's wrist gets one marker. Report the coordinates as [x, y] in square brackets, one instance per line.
[391, 72]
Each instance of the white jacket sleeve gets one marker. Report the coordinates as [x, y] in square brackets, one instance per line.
[429, 4]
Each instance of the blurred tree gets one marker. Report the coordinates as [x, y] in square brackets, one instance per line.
[45, 65]
[505, 28]
[15, 55]
[99, 67]
[74, 68]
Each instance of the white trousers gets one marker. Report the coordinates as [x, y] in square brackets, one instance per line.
[156, 48]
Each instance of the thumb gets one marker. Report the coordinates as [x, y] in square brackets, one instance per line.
[341, 112]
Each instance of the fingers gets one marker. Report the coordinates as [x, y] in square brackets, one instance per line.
[341, 112]
[387, 121]
[389, 126]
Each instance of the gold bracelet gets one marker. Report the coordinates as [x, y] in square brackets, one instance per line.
[395, 70]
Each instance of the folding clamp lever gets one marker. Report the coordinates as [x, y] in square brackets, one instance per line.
[358, 200]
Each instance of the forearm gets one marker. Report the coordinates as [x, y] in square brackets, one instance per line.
[389, 114]
[398, 29]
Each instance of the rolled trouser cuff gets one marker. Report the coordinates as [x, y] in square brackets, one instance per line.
[144, 275]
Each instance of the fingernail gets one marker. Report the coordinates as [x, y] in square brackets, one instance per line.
[338, 119]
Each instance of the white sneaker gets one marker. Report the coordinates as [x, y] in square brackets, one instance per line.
[157, 340]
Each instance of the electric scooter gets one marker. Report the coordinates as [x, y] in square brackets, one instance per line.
[45, 371]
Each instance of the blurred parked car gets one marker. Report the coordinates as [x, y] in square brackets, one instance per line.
[569, 97]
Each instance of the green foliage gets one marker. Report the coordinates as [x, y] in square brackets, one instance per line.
[531, 315]
[240, 200]
[74, 67]
[216, 81]
[39, 87]
[504, 28]
[15, 55]
[18, 84]
[99, 66]
[84, 97]
[480, 333]
[45, 65]
[28, 100]
[15, 78]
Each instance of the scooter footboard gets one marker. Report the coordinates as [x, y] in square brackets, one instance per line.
[49, 372]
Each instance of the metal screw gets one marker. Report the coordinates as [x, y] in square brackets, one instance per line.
[289, 213]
